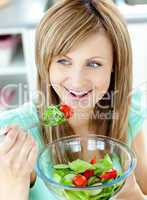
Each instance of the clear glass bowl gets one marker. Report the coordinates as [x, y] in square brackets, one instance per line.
[75, 147]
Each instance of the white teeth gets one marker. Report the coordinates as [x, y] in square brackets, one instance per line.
[80, 94]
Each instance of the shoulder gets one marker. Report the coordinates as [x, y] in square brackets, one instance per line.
[137, 113]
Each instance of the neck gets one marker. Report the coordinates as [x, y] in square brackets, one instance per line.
[80, 123]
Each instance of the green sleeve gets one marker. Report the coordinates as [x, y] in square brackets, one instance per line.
[25, 116]
[137, 114]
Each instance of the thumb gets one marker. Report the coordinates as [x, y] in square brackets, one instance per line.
[128, 188]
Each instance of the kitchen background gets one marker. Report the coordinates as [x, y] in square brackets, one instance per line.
[18, 19]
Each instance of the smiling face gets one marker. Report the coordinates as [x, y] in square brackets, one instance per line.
[81, 77]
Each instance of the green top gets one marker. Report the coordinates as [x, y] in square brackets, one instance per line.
[27, 114]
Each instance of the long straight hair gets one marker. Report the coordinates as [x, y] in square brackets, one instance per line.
[64, 25]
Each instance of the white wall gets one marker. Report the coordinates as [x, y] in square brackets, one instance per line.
[138, 33]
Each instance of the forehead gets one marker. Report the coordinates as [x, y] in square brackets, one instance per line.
[96, 44]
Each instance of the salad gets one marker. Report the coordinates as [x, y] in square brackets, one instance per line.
[57, 114]
[80, 173]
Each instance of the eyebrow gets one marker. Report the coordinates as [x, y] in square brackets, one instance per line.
[87, 58]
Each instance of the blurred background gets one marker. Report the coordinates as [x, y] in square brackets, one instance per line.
[18, 20]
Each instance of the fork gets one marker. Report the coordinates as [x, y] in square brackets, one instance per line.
[3, 130]
[54, 119]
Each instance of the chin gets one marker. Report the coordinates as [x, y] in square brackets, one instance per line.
[78, 106]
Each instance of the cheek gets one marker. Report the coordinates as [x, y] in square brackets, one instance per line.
[101, 85]
[56, 76]
[56, 79]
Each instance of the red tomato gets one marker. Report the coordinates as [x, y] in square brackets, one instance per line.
[80, 180]
[88, 173]
[109, 175]
[68, 112]
[93, 161]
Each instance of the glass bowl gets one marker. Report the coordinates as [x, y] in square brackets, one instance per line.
[68, 149]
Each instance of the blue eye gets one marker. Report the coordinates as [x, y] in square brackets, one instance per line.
[63, 61]
[94, 64]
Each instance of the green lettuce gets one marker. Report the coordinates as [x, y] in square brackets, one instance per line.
[103, 165]
[80, 166]
[53, 116]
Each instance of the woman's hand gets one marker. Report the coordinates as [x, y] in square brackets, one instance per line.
[130, 191]
[18, 153]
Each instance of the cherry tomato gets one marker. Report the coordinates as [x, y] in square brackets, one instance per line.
[88, 173]
[109, 175]
[93, 161]
[80, 180]
[68, 112]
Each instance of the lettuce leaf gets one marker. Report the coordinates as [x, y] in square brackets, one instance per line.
[103, 165]
[53, 116]
[80, 166]
[77, 195]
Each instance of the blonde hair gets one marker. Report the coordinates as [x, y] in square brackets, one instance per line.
[64, 25]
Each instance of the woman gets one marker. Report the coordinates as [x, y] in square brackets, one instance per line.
[84, 59]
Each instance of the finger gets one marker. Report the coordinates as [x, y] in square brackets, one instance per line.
[129, 185]
[131, 180]
[18, 155]
[33, 156]
[9, 140]
[25, 150]
[30, 163]
[27, 146]
[13, 154]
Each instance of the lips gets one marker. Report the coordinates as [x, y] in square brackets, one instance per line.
[78, 94]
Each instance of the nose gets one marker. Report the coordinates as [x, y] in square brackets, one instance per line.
[78, 79]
